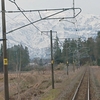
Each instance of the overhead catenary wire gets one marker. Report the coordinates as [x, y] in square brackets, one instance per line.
[26, 17]
[41, 31]
[13, 19]
[64, 9]
[24, 14]
[31, 23]
[19, 41]
[19, 31]
[46, 18]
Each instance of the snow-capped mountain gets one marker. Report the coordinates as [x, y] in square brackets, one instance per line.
[38, 43]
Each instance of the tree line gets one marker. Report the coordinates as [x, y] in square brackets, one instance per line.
[18, 58]
[70, 51]
[78, 51]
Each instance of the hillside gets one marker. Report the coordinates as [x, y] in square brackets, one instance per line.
[86, 25]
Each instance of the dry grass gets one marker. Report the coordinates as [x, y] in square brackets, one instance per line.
[36, 85]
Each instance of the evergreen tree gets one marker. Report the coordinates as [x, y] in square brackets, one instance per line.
[91, 45]
[57, 52]
[73, 48]
[65, 51]
[69, 47]
[18, 57]
[97, 51]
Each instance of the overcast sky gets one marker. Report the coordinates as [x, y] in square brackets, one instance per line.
[87, 6]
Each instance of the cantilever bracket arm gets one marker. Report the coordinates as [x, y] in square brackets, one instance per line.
[70, 16]
[47, 17]
[64, 9]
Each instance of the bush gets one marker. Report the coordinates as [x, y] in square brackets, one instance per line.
[60, 66]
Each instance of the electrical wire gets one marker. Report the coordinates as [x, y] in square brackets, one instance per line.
[13, 19]
[20, 32]
[24, 14]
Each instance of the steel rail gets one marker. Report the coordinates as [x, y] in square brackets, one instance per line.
[77, 89]
[88, 87]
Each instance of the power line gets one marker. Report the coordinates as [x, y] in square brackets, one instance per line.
[13, 19]
[32, 22]
[48, 17]
[19, 41]
[61, 9]
[24, 15]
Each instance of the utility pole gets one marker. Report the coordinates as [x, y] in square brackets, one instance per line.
[52, 69]
[52, 61]
[67, 63]
[5, 60]
[73, 63]
[66, 59]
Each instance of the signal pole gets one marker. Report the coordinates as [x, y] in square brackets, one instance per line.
[52, 61]
[52, 69]
[5, 60]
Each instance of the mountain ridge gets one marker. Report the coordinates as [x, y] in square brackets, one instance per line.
[86, 25]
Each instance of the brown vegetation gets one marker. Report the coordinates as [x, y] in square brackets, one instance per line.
[36, 85]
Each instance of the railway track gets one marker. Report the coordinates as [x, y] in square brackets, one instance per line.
[82, 91]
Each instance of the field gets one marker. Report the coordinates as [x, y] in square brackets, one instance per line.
[37, 85]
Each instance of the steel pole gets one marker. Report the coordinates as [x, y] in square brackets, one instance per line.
[52, 69]
[5, 60]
